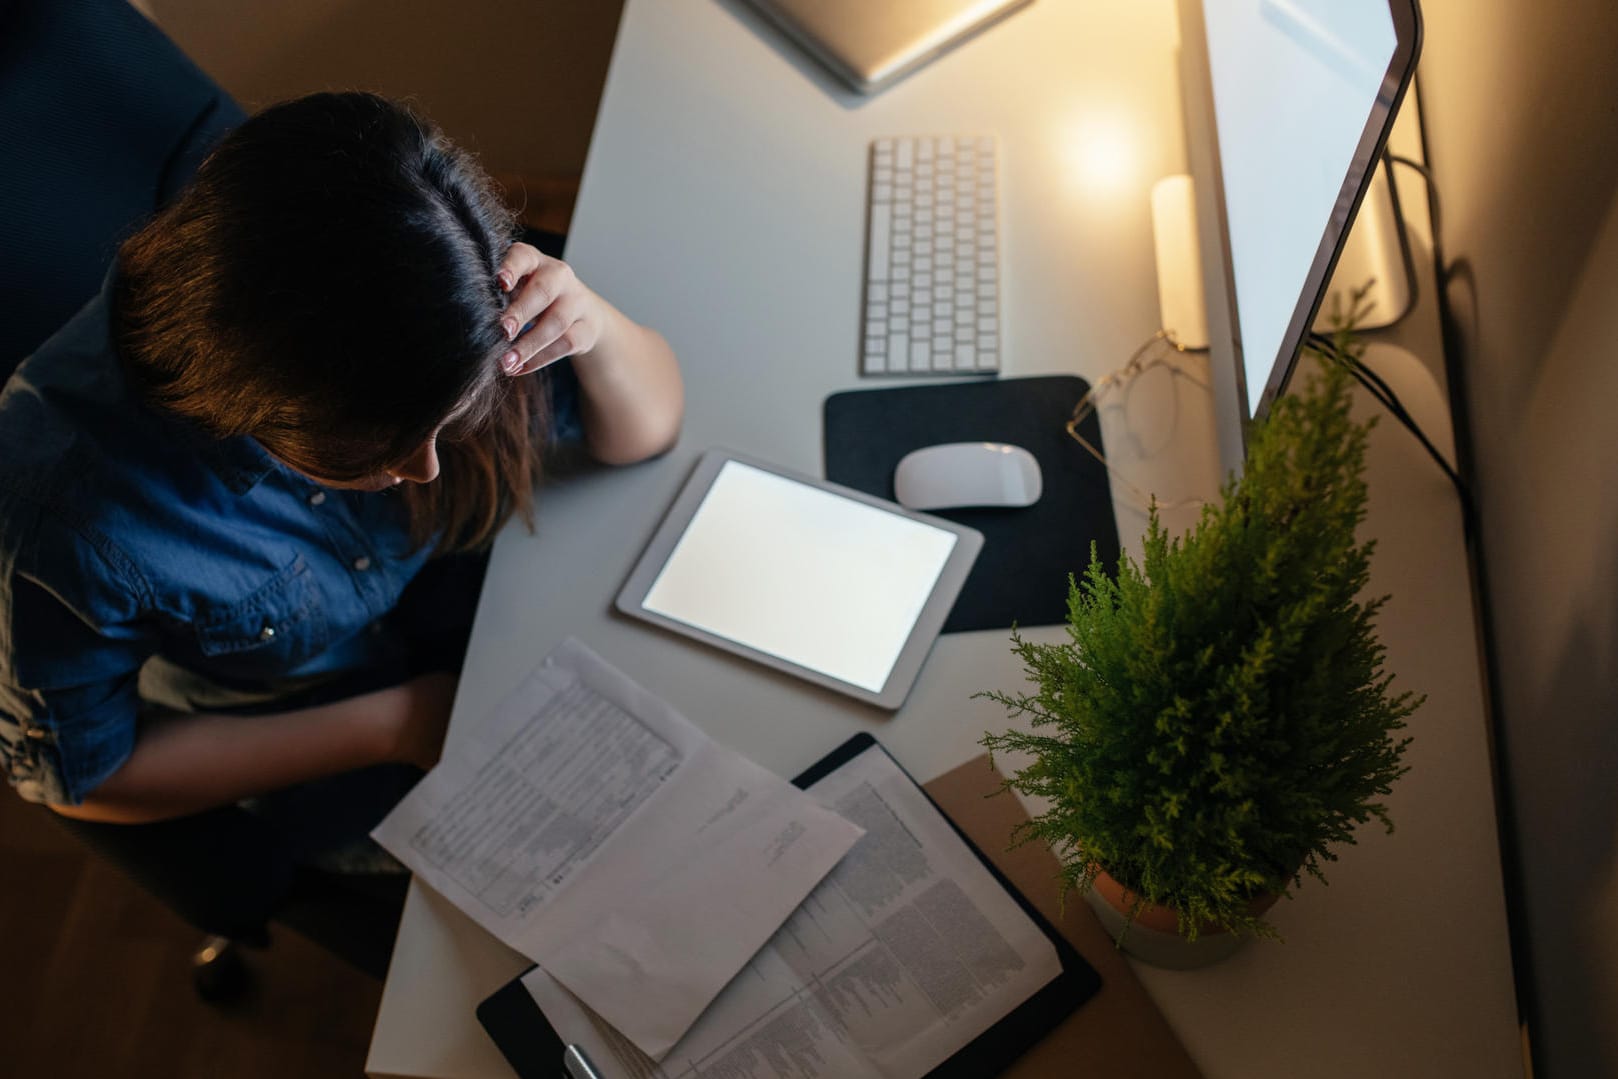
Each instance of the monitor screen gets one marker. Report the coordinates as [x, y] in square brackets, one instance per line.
[1303, 94]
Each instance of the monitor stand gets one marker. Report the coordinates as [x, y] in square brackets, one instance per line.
[1375, 254]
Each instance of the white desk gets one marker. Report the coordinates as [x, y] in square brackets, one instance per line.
[723, 204]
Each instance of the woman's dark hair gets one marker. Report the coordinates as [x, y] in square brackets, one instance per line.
[327, 286]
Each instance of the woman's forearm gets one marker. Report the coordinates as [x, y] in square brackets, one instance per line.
[632, 398]
[189, 763]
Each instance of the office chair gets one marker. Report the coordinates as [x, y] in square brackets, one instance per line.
[102, 120]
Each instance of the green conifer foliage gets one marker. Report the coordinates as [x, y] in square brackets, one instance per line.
[1218, 718]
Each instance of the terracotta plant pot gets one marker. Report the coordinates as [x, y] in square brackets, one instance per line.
[1154, 935]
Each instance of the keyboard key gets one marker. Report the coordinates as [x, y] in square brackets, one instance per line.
[920, 355]
[878, 257]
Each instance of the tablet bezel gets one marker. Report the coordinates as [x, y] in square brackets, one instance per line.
[923, 631]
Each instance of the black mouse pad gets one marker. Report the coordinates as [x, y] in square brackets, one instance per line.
[1021, 575]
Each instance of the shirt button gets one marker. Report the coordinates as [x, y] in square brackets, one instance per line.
[362, 563]
[318, 498]
[267, 633]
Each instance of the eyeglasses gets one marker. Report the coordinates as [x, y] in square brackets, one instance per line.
[1154, 352]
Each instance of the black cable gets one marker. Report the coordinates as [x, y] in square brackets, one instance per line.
[1379, 389]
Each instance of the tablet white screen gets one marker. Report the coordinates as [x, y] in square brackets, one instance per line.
[802, 574]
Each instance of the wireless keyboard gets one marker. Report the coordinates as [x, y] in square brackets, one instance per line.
[932, 257]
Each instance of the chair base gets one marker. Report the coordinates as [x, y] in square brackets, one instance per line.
[219, 974]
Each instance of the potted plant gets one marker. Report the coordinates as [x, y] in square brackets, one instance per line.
[1218, 718]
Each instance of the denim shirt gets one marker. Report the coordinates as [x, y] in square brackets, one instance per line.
[124, 535]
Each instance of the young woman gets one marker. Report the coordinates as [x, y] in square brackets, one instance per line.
[240, 491]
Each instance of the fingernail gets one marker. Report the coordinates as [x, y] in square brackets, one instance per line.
[505, 281]
[510, 326]
[510, 362]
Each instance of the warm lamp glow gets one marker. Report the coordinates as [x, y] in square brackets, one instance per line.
[1102, 155]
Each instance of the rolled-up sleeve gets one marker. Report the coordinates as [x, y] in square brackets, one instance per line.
[68, 692]
[566, 425]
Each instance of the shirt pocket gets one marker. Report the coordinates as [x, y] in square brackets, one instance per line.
[273, 631]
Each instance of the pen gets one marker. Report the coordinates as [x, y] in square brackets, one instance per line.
[577, 1063]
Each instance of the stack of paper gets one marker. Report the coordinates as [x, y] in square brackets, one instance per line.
[904, 955]
[593, 828]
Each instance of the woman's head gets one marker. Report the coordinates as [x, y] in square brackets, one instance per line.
[326, 286]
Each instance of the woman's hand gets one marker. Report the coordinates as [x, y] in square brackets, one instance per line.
[631, 396]
[567, 317]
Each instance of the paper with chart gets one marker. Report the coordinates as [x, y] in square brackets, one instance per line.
[591, 827]
[905, 953]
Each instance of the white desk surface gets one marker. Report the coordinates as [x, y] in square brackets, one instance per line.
[723, 203]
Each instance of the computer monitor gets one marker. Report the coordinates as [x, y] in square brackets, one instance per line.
[1289, 106]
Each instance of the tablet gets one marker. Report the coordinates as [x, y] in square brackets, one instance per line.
[823, 582]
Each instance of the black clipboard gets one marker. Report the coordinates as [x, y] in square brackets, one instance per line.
[534, 1050]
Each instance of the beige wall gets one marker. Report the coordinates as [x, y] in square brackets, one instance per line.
[1521, 107]
[517, 81]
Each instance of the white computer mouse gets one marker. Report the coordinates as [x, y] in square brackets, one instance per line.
[956, 475]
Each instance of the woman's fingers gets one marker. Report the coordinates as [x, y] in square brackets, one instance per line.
[520, 261]
[569, 342]
[560, 330]
[549, 312]
[548, 281]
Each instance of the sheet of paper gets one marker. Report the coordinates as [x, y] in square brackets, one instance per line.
[906, 952]
[593, 828]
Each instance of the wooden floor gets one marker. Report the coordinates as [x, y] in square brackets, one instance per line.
[97, 984]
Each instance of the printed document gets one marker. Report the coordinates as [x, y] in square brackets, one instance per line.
[903, 955]
[594, 829]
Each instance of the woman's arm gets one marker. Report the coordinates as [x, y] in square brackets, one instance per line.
[189, 763]
[631, 394]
